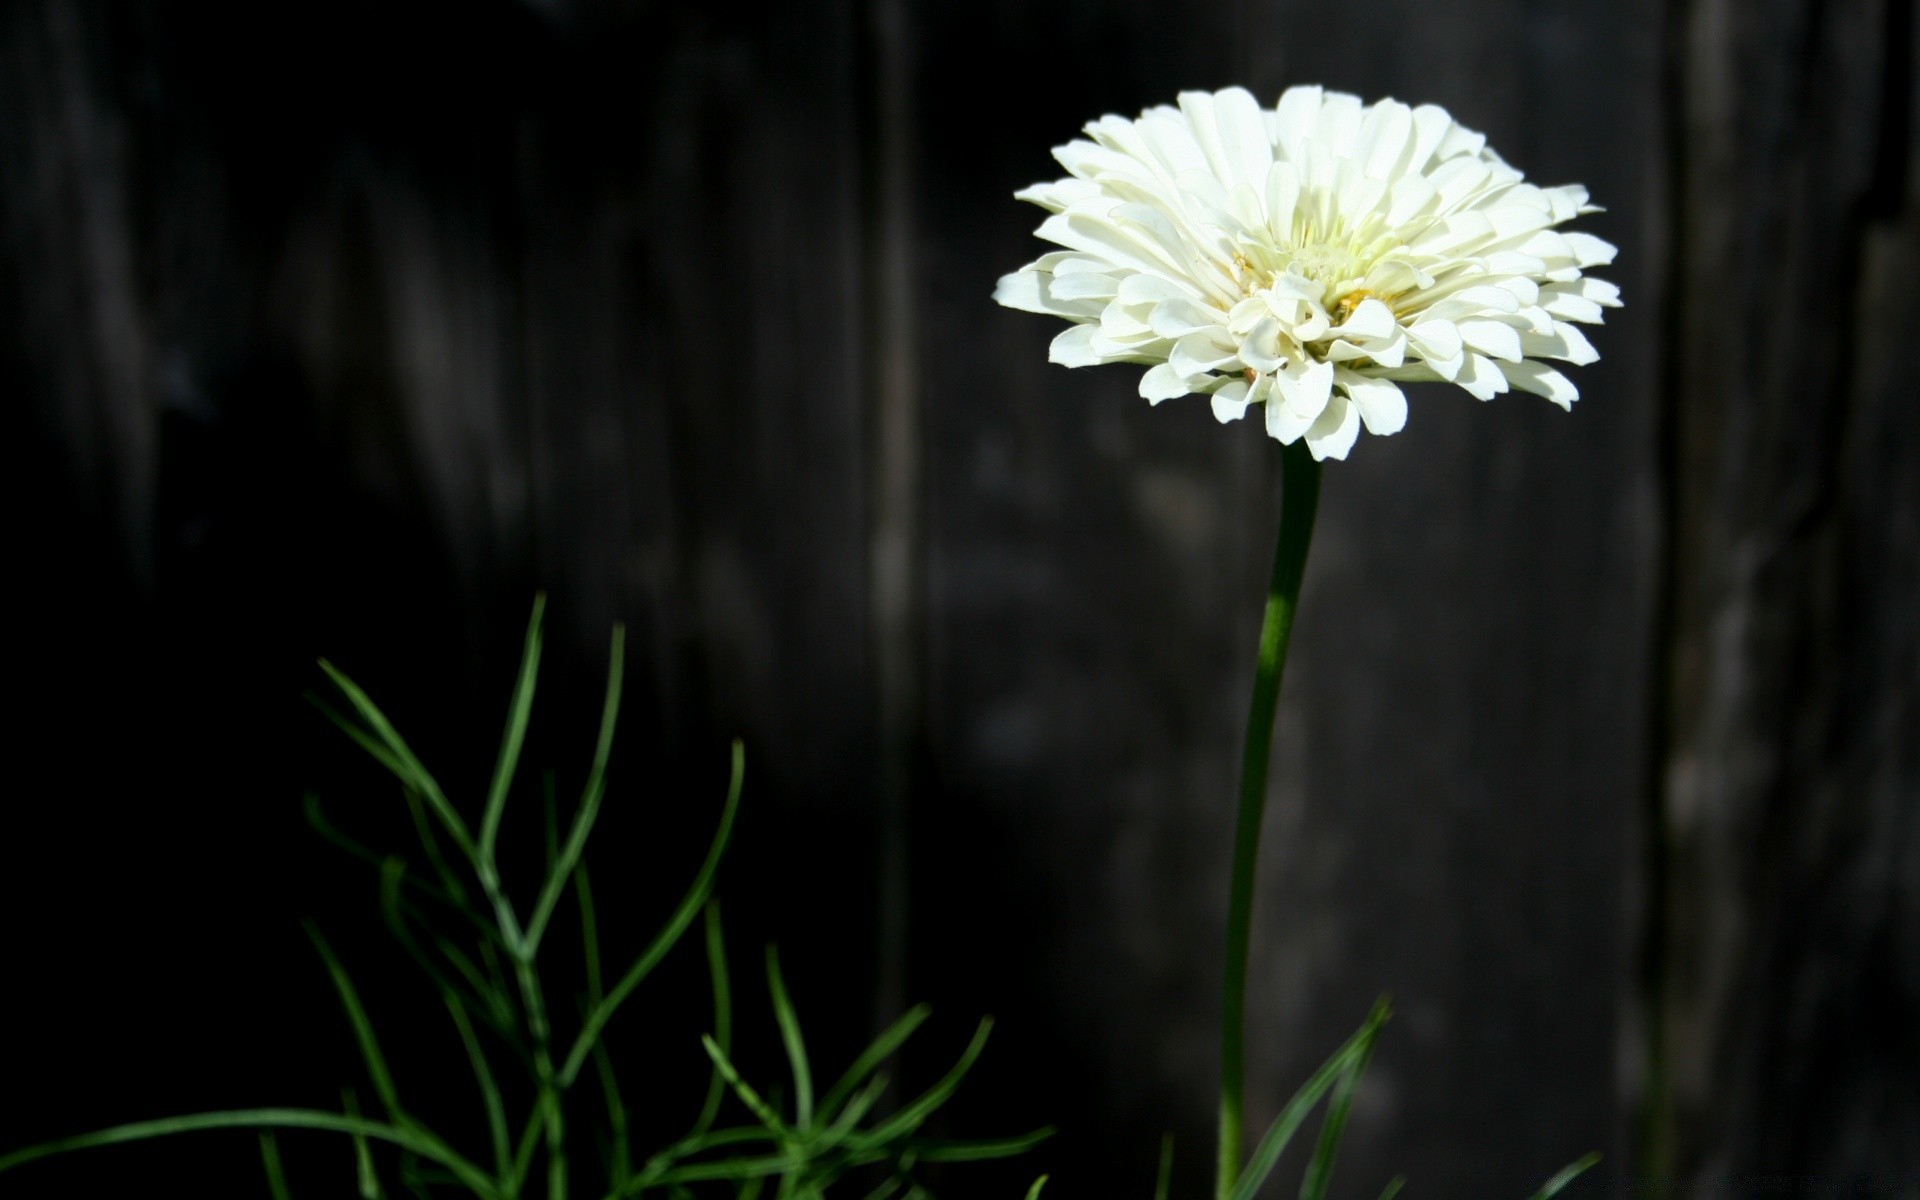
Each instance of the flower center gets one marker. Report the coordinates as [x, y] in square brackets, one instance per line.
[1325, 263]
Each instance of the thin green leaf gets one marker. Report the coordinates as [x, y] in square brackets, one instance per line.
[1320, 1169]
[423, 829]
[317, 818]
[910, 1117]
[1033, 1193]
[858, 1107]
[362, 1030]
[870, 1059]
[276, 1174]
[1567, 1175]
[483, 1076]
[366, 741]
[796, 1046]
[668, 936]
[891, 1185]
[421, 1143]
[1163, 1178]
[759, 1107]
[620, 1166]
[589, 810]
[619, 1149]
[733, 1168]
[1393, 1187]
[1267, 1154]
[400, 759]
[395, 909]
[364, 1175]
[722, 1013]
[978, 1150]
[518, 710]
[528, 1145]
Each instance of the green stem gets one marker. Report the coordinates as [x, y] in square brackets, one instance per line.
[1300, 497]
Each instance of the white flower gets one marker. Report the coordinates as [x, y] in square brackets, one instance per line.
[1309, 258]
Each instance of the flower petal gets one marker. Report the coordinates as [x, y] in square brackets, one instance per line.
[1162, 382]
[1542, 380]
[1335, 432]
[1382, 405]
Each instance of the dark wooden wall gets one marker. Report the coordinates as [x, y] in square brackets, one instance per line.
[339, 331]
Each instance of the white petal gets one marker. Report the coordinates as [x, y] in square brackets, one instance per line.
[1566, 343]
[1305, 387]
[1059, 195]
[1084, 285]
[1382, 405]
[1481, 377]
[1542, 380]
[1178, 317]
[1435, 340]
[1199, 353]
[1385, 138]
[1074, 347]
[1298, 111]
[1243, 137]
[1162, 382]
[1335, 432]
[1371, 319]
[1283, 192]
[1590, 251]
[1260, 348]
[1492, 337]
[1230, 402]
[1411, 194]
[1032, 291]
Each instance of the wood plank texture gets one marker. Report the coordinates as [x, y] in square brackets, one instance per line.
[341, 331]
[1788, 969]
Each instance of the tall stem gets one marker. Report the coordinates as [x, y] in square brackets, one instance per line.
[1300, 498]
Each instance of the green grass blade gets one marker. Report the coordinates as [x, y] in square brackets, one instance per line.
[367, 1180]
[1567, 1175]
[489, 1088]
[276, 1174]
[981, 1149]
[1393, 1187]
[620, 1166]
[1320, 1169]
[423, 829]
[875, 1054]
[796, 1046]
[590, 798]
[1267, 1154]
[400, 759]
[1163, 1178]
[317, 818]
[663, 941]
[741, 1088]
[362, 1030]
[423, 1144]
[856, 1108]
[519, 709]
[722, 1014]
[374, 747]
[589, 934]
[913, 1115]
[1033, 1193]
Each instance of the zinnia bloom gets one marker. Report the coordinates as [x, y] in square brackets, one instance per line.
[1310, 258]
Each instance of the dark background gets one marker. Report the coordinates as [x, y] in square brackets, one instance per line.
[339, 330]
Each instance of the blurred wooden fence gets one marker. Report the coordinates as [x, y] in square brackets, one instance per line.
[340, 330]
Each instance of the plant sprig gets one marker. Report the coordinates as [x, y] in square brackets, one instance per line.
[489, 977]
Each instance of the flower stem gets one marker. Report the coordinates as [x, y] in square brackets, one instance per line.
[1300, 498]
